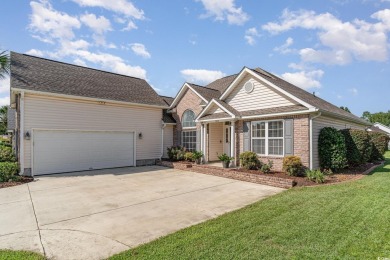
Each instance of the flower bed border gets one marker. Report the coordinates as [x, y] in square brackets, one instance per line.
[230, 173]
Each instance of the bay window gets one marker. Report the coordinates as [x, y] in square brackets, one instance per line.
[268, 137]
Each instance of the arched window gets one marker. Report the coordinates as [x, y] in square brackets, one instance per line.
[188, 119]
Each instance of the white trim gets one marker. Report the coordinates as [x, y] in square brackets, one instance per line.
[21, 134]
[217, 120]
[162, 139]
[84, 98]
[170, 123]
[246, 70]
[266, 137]
[311, 139]
[213, 101]
[233, 141]
[81, 130]
[280, 114]
[181, 92]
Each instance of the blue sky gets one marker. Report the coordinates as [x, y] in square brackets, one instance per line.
[337, 48]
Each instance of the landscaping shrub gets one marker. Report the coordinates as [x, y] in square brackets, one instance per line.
[8, 170]
[197, 156]
[332, 149]
[359, 147]
[379, 145]
[249, 161]
[292, 165]
[266, 167]
[315, 175]
[6, 154]
[176, 153]
[188, 156]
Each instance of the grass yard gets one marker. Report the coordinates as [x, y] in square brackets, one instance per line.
[17, 255]
[344, 221]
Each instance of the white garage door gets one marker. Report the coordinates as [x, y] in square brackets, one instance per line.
[56, 151]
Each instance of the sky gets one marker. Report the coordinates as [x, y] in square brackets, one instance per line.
[338, 49]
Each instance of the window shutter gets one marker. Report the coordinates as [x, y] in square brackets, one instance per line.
[178, 137]
[198, 139]
[247, 136]
[289, 137]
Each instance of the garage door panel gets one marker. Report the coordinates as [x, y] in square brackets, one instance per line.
[57, 151]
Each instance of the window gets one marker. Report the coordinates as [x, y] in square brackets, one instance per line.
[189, 140]
[268, 137]
[188, 119]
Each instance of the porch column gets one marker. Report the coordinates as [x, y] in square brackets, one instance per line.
[204, 137]
[233, 142]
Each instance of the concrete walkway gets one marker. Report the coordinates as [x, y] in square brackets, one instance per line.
[95, 214]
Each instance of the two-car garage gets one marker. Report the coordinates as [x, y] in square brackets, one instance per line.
[55, 151]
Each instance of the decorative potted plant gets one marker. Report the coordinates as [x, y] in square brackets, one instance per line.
[225, 159]
[197, 156]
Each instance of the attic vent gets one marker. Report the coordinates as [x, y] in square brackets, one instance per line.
[248, 87]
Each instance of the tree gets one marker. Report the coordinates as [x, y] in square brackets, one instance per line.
[3, 119]
[380, 117]
[345, 109]
[4, 64]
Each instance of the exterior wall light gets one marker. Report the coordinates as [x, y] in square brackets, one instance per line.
[27, 135]
[140, 135]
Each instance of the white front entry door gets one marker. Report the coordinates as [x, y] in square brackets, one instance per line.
[227, 139]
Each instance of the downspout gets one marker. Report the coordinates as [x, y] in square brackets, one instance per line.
[311, 139]
[21, 134]
[162, 139]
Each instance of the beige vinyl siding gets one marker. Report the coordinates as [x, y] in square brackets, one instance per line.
[59, 113]
[325, 121]
[261, 97]
[168, 139]
[215, 140]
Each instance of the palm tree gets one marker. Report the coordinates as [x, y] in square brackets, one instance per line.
[3, 120]
[4, 64]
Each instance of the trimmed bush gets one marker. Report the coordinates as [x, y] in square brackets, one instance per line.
[315, 175]
[379, 145]
[292, 165]
[249, 161]
[6, 154]
[332, 149]
[266, 167]
[359, 147]
[188, 156]
[176, 153]
[8, 170]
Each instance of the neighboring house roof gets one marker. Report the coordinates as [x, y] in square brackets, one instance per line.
[382, 127]
[377, 130]
[43, 75]
[11, 119]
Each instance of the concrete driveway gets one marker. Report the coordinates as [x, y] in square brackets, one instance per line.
[95, 214]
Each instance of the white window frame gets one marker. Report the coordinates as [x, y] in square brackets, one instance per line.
[266, 138]
[182, 123]
[193, 129]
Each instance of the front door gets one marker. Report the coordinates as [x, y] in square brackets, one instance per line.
[227, 139]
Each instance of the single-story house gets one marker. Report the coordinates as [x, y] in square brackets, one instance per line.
[257, 111]
[380, 128]
[74, 118]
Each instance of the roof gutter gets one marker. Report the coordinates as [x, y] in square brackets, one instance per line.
[362, 121]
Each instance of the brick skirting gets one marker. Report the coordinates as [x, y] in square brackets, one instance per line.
[230, 173]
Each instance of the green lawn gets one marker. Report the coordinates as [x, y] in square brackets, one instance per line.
[344, 221]
[18, 255]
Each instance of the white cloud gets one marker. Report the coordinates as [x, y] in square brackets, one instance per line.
[35, 52]
[201, 76]
[250, 36]
[353, 91]
[4, 85]
[130, 26]
[99, 25]
[223, 10]
[4, 101]
[48, 24]
[140, 50]
[341, 42]
[304, 79]
[124, 7]
[284, 49]
[80, 62]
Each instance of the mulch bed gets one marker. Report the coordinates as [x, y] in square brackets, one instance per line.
[354, 173]
[21, 180]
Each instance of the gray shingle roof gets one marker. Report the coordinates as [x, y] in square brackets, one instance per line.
[206, 92]
[306, 96]
[227, 107]
[222, 83]
[11, 124]
[38, 74]
[167, 100]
